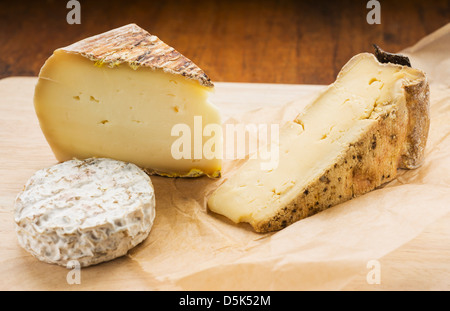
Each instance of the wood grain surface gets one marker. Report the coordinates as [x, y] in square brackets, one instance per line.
[286, 41]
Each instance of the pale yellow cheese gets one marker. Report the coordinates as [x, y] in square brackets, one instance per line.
[90, 110]
[310, 145]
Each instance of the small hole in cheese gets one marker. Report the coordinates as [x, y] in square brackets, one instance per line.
[373, 80]
[92, 98]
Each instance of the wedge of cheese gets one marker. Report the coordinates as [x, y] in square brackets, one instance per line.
[119, 95]
[351, 139]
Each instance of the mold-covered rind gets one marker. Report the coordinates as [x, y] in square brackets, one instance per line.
[90, 211]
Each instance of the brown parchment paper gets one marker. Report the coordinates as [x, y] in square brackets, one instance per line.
[191, 248]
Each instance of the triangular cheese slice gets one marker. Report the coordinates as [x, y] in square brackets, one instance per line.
[351, 139]
[119, 95]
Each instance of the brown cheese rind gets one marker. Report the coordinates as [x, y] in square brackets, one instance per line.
[136, 47]
[418, 105]
[417, 101]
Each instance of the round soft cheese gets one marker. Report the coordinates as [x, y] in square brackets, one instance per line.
[89, 211]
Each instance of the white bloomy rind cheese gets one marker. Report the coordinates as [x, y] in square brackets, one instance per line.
[91, 211]
[118, 95]
[348, 141]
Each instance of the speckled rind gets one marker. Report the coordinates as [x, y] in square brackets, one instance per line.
[417, 95]
[132, 45]
[90, 210]
[396, 140]
[418, 104]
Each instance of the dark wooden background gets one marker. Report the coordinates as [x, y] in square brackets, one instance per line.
[233, 41]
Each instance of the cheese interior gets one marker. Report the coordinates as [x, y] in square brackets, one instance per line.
[88, 110]
[313, 142]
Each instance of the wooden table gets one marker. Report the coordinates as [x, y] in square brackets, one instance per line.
[290, 41]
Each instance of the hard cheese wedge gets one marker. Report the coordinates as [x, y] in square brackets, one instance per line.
[351, 139]
[118, 95]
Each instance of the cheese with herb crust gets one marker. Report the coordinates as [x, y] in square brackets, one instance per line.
[351, 139]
